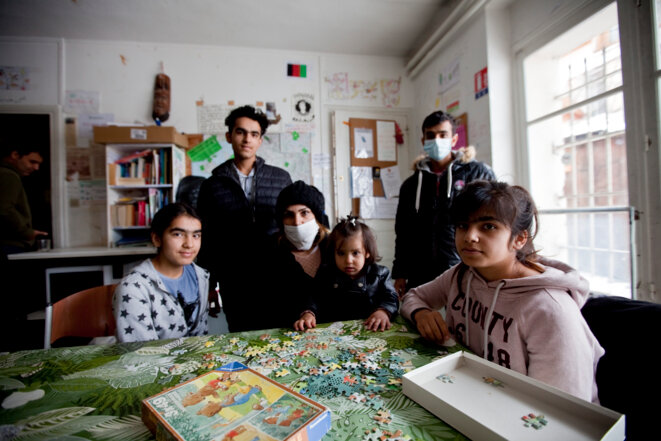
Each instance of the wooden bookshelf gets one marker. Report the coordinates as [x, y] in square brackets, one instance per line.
[141, 178]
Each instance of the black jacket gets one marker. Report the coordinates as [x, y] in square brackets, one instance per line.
[235, 235]
[289, 286]
[424, 243]
[339, 297]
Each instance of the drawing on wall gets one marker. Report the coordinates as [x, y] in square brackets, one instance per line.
[14, 78]
[449, 76]
[341, 87]
[390, 92]
[368, 90]
[302, 107]
[338, 85]
[81, 101]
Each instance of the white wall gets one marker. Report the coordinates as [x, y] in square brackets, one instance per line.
[123, 74]
[469, 48]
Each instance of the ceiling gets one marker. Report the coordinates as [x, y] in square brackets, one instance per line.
[366, 27]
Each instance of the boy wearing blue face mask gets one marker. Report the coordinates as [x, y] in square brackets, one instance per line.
[424, 243]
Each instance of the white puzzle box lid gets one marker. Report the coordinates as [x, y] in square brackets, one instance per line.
[485, 401]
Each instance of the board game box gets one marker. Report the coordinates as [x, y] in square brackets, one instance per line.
[485, 401]
[234, 403]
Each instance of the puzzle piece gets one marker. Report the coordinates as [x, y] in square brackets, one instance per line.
[383, 417]
[282, 373]
[493, 382]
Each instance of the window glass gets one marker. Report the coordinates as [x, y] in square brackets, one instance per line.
[577, 151]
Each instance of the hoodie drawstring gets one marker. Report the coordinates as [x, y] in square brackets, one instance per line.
[487, 320]
[419, 189]
[468, 312]
[449, 179]
[417, 193]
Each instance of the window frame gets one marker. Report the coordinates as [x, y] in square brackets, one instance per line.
[639, 78]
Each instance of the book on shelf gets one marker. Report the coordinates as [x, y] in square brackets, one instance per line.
[137, 211]
[234, 402]
[146, 167]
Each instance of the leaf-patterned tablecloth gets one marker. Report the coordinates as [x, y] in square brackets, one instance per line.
[95, 392]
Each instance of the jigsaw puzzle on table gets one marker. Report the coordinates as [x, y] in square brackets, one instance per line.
[235, 403]
[95, 392]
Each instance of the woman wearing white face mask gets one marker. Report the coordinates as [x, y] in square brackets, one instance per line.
[297, 253]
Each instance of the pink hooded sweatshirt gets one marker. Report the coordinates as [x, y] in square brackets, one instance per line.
[533, 324]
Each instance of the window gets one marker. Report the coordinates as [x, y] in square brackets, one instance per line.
[577, 151]
[657, 37]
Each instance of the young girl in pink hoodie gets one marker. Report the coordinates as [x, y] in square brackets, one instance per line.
[503, 301]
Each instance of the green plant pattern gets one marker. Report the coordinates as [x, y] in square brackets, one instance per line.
[95, 392]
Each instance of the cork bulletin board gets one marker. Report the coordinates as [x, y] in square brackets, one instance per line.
[362, 131]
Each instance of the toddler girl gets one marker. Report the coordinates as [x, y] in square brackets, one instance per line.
[355, 286]
[505, 302]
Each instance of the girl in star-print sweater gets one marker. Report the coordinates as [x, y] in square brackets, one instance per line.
[166, 296]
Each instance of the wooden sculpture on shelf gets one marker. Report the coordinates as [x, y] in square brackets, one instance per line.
[161, 108]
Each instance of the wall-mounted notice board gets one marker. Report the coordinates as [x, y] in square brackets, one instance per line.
[373, 145]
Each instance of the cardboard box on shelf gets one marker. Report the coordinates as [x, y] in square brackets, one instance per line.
[139, 135]
[485, 401]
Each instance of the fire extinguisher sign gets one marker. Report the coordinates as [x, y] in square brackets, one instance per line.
[481, 83]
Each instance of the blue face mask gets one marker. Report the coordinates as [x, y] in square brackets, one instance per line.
[438, 148]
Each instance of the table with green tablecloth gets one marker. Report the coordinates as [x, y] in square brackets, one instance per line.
[95, 392]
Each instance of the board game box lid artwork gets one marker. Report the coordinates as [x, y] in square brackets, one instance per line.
[234, 403]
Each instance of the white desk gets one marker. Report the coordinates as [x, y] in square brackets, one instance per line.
[63, 271]
[82, 252]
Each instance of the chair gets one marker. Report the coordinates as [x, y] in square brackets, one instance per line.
[189, 190]
[86, 314]
[627, 375]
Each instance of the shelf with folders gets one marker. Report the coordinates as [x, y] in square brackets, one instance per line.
[142, 178]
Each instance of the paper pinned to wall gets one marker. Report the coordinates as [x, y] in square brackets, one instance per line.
[378, 208]
[386, 146]
[295, 142]
[211, 118]
[82, 101]
[363, 141]
[362, 183]
[85, 123]
[391, 181]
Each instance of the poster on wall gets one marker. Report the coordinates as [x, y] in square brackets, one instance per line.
[481, 84]
[302, 107]
[449, 76]
[29, 72]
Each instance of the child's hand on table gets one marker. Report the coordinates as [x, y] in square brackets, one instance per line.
[379, 320]
[307, 321]
[432, 327]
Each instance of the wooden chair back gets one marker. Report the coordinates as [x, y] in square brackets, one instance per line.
[86, 313]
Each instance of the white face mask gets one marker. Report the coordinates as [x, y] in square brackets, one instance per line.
[302, 236]
[438, 148]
